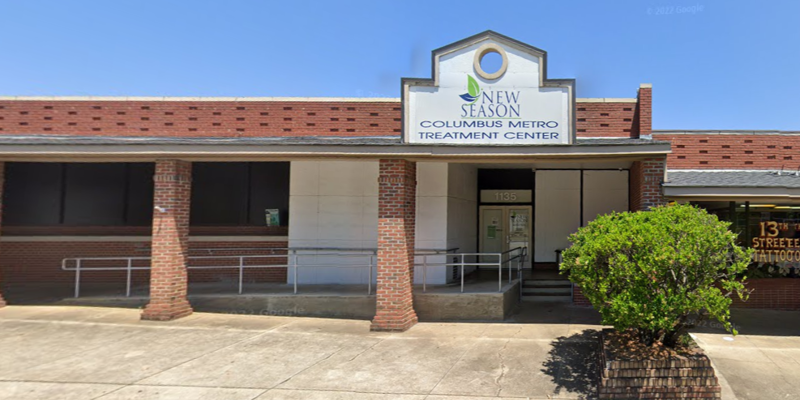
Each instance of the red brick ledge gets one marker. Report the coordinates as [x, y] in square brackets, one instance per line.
[672, 378]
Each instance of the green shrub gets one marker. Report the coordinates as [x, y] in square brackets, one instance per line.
[658, 271]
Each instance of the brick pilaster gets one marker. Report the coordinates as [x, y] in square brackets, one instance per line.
[645, 183]
[170, 242]
[396, 221]
[644, 106]
[2, 185]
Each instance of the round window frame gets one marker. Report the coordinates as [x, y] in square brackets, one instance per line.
[482, 51]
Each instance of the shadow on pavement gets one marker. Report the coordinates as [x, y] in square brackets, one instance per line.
[574, 364]
[756, 322]
[554, 313]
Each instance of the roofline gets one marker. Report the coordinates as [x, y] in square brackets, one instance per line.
[488, 34]
[264, 99]
[231, 99]
[249, 151]
[607, 100]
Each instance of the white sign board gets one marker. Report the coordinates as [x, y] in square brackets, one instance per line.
[465, 105]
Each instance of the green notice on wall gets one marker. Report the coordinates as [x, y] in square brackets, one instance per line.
[273, 217]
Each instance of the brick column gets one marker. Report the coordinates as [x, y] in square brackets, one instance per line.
[170, 242]
[396, 222]
[645, 183]
[2, 185]
[644, 106]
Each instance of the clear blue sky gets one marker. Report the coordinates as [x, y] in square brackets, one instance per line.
[719, 65]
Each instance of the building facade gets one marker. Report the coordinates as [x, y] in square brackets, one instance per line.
[468, 173]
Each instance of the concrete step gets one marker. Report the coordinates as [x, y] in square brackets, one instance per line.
[547, 280]
[546, 283]
[546, 291]
[547, 299]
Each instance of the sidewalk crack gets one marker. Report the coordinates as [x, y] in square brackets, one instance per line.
[309, 367]
[503, 368]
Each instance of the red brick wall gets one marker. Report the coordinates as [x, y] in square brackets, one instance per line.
[703, 151]
[200, 118]
[59, 230]
[578, 298]
[646, 177]
[635, 179]
[255, 119]
[35, 266]
[396, 229]
[644, 111]
[772, 293]
[606, 120]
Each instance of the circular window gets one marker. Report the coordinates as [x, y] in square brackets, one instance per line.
[490, 61]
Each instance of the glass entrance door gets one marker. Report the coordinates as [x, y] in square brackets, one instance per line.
[503, 228]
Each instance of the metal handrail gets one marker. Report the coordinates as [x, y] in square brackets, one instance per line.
[523, 251]
[78, 264]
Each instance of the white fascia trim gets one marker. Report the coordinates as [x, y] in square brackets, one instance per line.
[289, 156]
[73, 238]
[750, 193]
[208, 99]
[606, 100]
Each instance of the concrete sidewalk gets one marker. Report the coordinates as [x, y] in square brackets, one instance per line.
[106, 353]
[547, 352]
[763, 361]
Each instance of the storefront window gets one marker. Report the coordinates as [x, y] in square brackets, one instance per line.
[772, 230]
[774, 233]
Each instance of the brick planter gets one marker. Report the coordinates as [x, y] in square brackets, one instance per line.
[578, 298]
[676, 377]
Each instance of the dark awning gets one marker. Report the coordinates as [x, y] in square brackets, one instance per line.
[733, 185]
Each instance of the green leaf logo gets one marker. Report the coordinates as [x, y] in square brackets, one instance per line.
[473, 90]
[472, 86]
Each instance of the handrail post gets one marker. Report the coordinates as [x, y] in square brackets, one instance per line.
[369, 277]
[241, 273]
[425, 272]
[520, 265]
[128, 283]
[293, 256]
[509, 270]
[500, 272]
[462, 272]
[77, 277]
